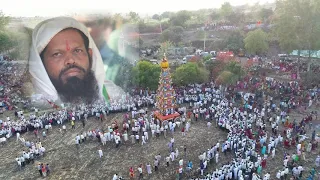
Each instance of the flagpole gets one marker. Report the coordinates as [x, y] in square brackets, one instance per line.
[204, 41]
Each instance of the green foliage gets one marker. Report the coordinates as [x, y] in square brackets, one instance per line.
[225, 10]
[207, 58]
[4, 20]
[265, 13]
[141, 25]
[229, 73]
[117, 17]
[156, 16]
[166, 14]
[133, 17]
[226, 78]
[146, 75]
[235, 68]
[236, 17]
[15, 43]
[214, 15]
[256, 42]
[216, 67]
[200, 34]
[164, 47]
[180, 18]
[199, 17]
[140, 42]
[124, 74]
[173, 34]
[225, 72]
[190, 73]
[235, 41]
[5, 41]
[297, 24]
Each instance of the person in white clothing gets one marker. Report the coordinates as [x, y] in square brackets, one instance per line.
[100, 153]
[217, 157]
[273, 152]
[172, 156]
[115, 177]
[143, 140]
[145, 133]
[278, 176]
[18, 136]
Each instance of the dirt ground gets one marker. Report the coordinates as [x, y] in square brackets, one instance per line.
[68, 162]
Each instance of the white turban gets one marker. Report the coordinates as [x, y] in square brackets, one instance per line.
[41, 36]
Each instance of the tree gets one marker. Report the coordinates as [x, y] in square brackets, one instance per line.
[200, 16]
[156, 17]
[214, 15]
[134, 17]
[4, 20]
[164, 47]
[226, 78]
[231, 73]
[142, 25]
[5, 42]
[173, 34]
[124, 75]
[20, 46]
[207, 58]
[215, 67]
[236, 17]
[146, 75]
[235, 68]
[119, 18]
[235, 41]
[225, 10]
[256, 42]
[166, 14]
[190, 73]
[297, 25]
[265, 14]
[140, 42]
[180, 18]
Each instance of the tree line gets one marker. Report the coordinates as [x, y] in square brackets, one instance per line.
[146, 74]
[14, 42]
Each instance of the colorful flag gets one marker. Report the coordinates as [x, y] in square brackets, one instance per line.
[105, 93]
[53, 104]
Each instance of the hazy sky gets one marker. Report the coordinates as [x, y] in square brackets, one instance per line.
[30, 8]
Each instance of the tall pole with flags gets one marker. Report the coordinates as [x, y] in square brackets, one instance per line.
[204, 38]
[204, 41]
[160, 24]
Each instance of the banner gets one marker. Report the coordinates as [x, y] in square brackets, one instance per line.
[105, 94]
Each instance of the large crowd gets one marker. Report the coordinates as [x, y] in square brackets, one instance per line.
[11, 82]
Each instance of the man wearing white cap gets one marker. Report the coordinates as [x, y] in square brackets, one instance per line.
[64, 62]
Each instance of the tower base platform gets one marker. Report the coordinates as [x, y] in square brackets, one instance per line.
[166, 117]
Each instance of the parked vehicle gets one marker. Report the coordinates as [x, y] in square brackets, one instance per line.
[154, 61]
[187, 58]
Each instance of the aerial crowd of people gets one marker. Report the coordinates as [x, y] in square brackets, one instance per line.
[255, 113]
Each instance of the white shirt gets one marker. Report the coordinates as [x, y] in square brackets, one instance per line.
[115, 177]
[100, 152]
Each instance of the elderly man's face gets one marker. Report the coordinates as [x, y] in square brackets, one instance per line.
[68, 59]
[66, 56]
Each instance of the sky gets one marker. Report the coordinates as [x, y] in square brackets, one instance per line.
[31, 8]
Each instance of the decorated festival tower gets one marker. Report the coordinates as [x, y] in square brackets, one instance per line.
[166, 102]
